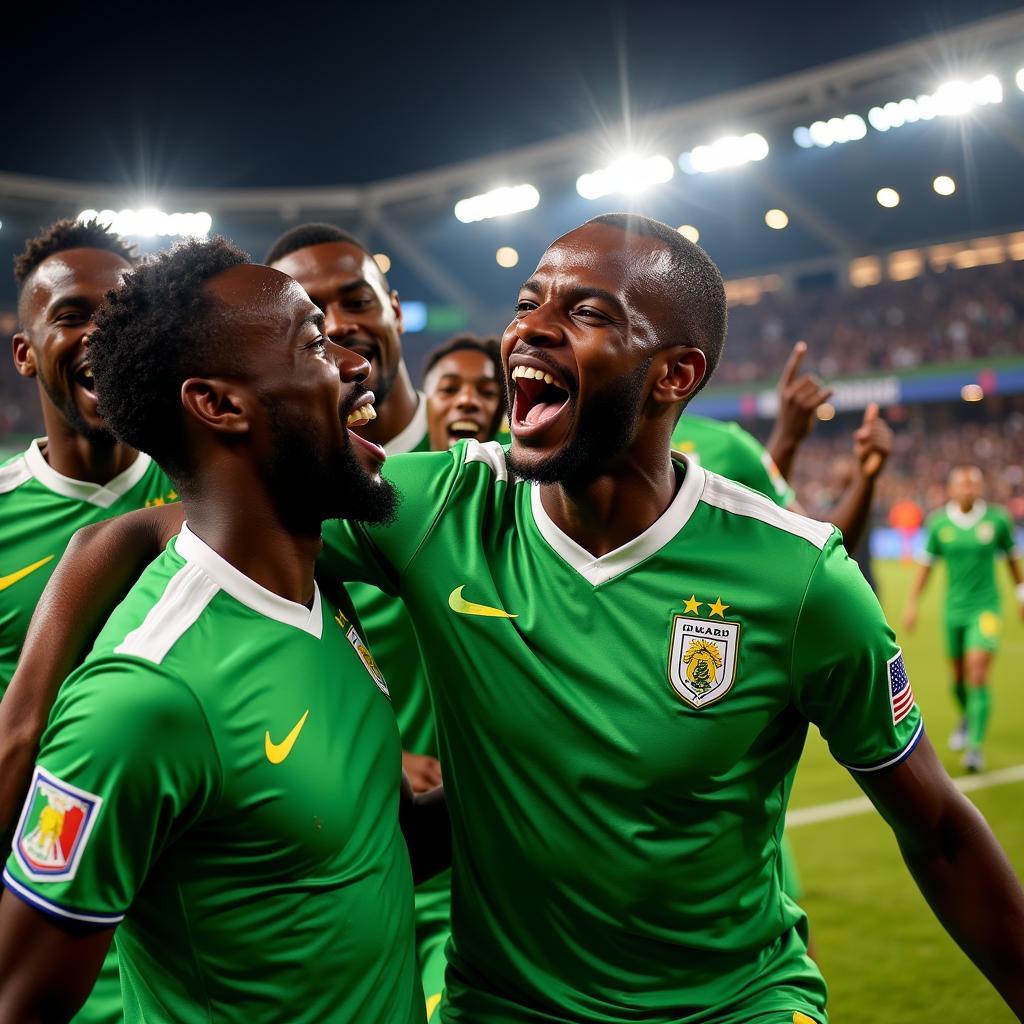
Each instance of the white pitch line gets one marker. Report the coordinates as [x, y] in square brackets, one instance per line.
[862, 805]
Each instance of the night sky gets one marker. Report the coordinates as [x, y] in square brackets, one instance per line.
[232, 95]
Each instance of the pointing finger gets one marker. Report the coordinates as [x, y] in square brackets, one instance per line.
[793, 362]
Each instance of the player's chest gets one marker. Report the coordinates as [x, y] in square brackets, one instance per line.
[310, 755]
[684, 665]
[968, 542]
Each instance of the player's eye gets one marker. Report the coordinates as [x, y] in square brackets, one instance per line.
[318, 345]
[525, 306]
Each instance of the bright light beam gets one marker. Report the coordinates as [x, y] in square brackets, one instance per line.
[629, 175]
[499, 202]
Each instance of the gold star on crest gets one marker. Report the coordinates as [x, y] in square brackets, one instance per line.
[717, 608]
[693, 605]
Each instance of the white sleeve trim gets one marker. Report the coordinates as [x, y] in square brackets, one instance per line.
[907, 750]
[37, 901]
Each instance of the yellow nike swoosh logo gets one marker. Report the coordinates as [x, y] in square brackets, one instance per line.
[277, 752]
[459, 604]
[12, 578]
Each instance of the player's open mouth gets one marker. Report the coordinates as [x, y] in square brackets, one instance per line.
[364, 413]
[82, 376]
[460, 430]
[539, 398]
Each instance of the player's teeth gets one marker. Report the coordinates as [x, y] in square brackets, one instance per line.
[361, 415]
[464, 425]
[548, 379]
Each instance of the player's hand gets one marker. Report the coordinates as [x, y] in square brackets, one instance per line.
[799, 397]
[910, 617]
[872, 442]
[424, 772]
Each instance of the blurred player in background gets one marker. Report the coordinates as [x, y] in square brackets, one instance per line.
[79, 472]
[463, 384]
[969, 535]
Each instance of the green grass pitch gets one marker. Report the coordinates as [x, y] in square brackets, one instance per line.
[884, 955]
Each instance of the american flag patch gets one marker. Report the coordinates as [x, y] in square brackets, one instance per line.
[901, 693]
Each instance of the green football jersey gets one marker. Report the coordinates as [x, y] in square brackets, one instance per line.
[220, 780]
[969, 543]
[39, 511]
[389, 632]
[728, 450]
[619, 735]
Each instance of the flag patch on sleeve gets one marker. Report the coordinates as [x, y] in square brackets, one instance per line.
[54, 828]
[901, 693]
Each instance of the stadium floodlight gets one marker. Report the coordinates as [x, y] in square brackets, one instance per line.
[776, 219]
[506, 257]
[499, 202]
[688, 231]
[888, 197]
[835, 130]
[949, 100]
[629, 175]
[728, 151]
[944, 185]
[150, 222]
[972, 392]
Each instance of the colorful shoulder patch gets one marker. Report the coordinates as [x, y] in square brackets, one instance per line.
[54, 828]
[901, 693]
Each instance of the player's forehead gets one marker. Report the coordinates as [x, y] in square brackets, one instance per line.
[257, 296]
[632, 267]
[467, 363]
[84, 272]
[328, 266]
[965, 475]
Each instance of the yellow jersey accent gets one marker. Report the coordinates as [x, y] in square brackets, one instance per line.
[432, 1004]
[693, 605]
[717, 608]
[459, 604]
[11, 578]
[802, 1018]
[277, 752]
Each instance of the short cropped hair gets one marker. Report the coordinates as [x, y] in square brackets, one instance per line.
[694, 285]
[487, 346]
[69, 234]
[305, 235]
[154, 332]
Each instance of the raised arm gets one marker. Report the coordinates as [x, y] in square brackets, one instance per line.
[48, 970]
[99, 567]
[958, 865]
[872, 443]
[799, 398]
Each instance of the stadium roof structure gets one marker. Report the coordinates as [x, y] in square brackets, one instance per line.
[948, 105]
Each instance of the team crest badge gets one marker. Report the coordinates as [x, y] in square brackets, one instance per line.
[54, 828]
[368, 660]
[985, 533]
[702, 658]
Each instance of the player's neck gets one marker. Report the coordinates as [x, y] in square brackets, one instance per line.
[397, 412]
[242, 525]
[608, 511]
[77, 458]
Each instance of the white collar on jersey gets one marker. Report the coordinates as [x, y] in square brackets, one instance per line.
[247, 591]
[413, 432]
[600, 570]
[965, 520]
[101, 495]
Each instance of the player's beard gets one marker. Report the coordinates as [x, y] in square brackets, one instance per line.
[605, 428]
[310, 487]
[100, 437]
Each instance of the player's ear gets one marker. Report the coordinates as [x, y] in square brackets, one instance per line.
[681, 368]
[24, 355]
[397, 307]
[219, 404]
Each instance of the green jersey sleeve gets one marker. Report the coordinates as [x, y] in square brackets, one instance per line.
[126, 762]
[932, 548]
[760, 471]
[848, 674]
[1005, 540]
[379, 555]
